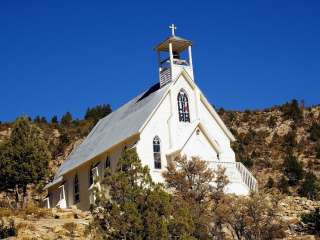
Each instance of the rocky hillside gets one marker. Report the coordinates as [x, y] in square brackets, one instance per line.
[280, 145]
[267, 138]
[37, 223]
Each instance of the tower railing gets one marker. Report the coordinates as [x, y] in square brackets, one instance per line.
[236, 173]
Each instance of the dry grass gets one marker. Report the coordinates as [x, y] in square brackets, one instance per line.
[25, 225]
[6, 212]
[38, 212]
[33, 212]
[70, 227]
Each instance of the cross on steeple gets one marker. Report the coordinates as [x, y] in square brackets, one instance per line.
[173, 28]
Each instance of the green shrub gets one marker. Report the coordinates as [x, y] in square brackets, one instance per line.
[312, 220]
[246, 116]
[272, 122]
[315, 132]
[7, 230]
[289, 140]
[231, 116]
[283, 185]
[270, 183]
[247, 161]
[249, 137]
[309, 187]
[293, 169]
[221, 111]
[291, 110]
[318, 150]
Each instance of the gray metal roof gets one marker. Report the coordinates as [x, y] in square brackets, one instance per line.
[114, 128]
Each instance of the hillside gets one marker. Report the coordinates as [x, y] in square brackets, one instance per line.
[264, 138]
[280, 145]
[267, 138]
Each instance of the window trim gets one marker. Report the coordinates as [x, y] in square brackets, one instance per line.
[62, 194]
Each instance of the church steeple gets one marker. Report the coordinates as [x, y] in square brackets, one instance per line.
[174, 55]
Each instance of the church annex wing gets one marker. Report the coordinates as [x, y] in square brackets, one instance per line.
[114, 128]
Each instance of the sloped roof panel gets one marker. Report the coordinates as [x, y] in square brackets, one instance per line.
[114, 128]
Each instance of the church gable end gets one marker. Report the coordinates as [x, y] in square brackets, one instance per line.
[172, 117]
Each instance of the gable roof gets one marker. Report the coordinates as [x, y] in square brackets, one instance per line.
[188, 133]
[115, 128]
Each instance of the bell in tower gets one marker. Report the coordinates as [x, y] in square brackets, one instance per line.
[170, 57]
[176, 55]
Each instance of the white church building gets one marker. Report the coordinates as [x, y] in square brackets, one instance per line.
[172, 117]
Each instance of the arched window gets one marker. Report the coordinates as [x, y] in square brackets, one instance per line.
[156, 152]
[183, 106]
[76, 192]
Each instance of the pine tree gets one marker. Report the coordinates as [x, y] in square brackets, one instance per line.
[40, 120]
[66, 119]
[23, 158]
[292, 110]
[293, 169]
[130, 205]
[98, 112]
[37, 119]
[54, 119]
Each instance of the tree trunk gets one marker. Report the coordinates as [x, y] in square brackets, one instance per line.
[18, 197]
[24, 198]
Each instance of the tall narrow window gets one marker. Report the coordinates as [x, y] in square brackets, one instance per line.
[108, 162]
[93, 174]
[156, 152]
[183, 106]
[76, 191]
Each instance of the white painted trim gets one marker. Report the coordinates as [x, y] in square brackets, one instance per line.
[47, 202]
[171, 56]
[190, 57]
[216, 116]
[62, 203]
[205, 133]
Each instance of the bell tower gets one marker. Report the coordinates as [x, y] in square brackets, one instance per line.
[174, 55]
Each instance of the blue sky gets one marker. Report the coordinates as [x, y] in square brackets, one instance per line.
[58, 56]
